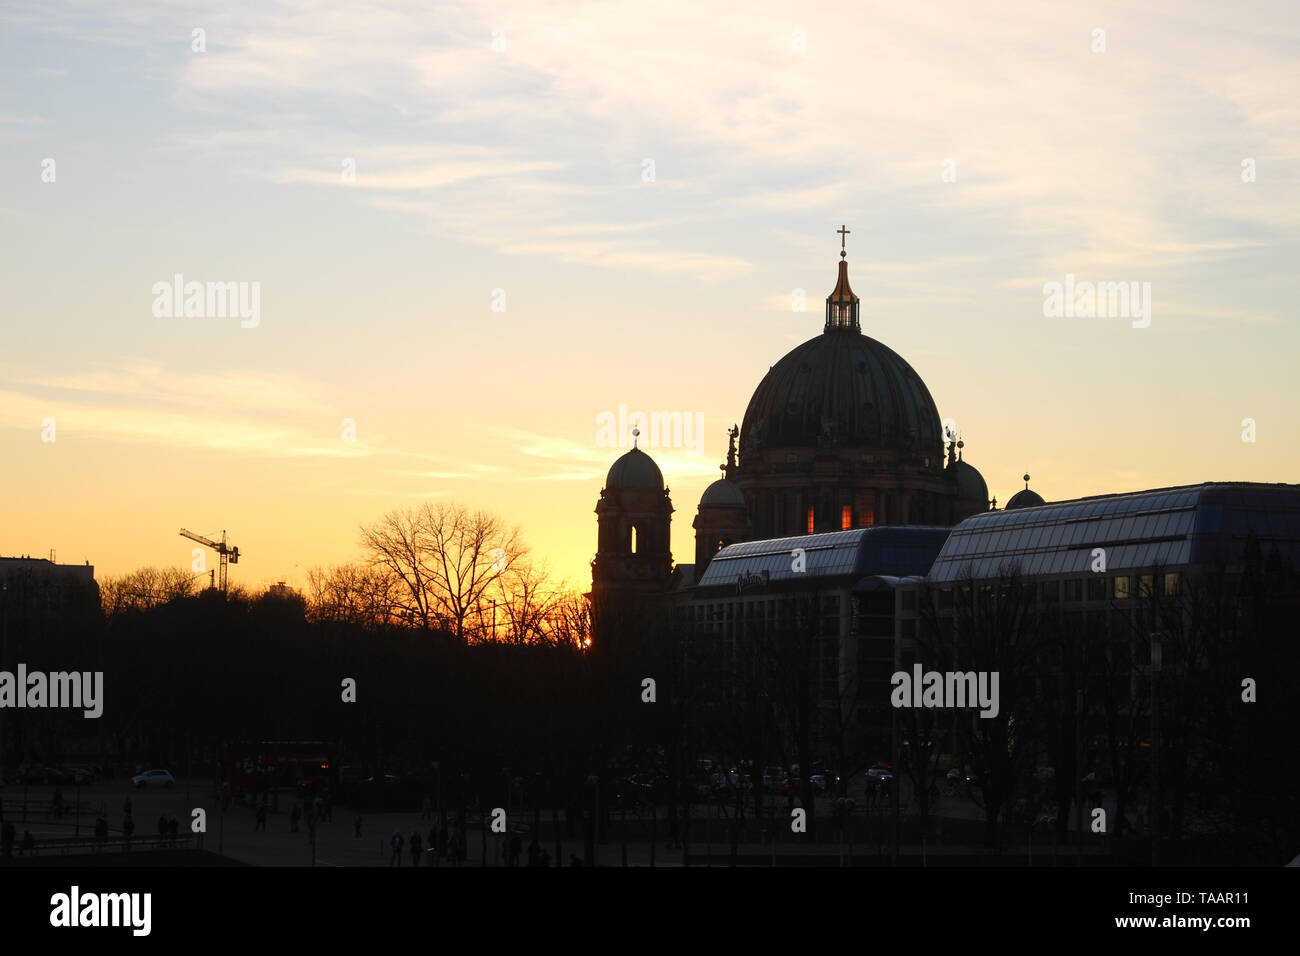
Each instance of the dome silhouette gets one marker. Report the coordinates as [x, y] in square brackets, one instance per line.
[634, 471]
[845, 389]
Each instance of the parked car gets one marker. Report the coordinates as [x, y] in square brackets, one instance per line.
[79, 776]
[824, 783]
[968, 777]
[153, 778]
[879, 773]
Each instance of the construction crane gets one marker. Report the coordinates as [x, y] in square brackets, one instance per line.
[226, 553]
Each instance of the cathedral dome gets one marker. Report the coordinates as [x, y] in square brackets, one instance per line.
[634, 471]
[722, 493]
[1025, 498]
[842, 388]
[970, 483]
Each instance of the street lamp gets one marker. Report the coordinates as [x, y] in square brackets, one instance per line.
[844, 811]
[1156, 661]
[1078, 773]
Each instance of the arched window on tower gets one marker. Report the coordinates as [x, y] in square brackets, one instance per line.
[633, 540]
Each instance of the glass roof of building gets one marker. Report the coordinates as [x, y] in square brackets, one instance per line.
[899, 550]
[1163, 527]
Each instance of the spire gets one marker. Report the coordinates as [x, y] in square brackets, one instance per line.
[842, 304]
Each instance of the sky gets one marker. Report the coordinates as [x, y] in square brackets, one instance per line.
[478, 230]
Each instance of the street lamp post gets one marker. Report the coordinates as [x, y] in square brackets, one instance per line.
[1156, 661]
[1078, 773]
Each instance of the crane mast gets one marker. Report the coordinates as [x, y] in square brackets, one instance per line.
[225, 552]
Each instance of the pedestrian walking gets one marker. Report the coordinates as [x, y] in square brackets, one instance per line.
[396, 844]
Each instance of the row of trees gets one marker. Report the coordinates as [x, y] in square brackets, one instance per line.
[437, 567]
[444, 567]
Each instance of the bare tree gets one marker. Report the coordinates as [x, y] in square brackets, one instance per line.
[144, 588]
[522, 599]
[353, 594]
[444, 559]
[568, 621]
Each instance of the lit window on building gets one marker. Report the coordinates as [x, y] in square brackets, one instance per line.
[811, 521]
[1171, 583]
[1121, 588]
[846, 517]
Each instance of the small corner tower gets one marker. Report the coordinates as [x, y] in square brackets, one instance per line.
[633, 560]
[720, 520]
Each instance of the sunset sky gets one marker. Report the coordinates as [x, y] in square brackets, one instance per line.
[525, 169]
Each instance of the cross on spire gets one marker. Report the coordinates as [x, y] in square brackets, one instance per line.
[843, 232]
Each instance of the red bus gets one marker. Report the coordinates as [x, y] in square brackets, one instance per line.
[269, 765]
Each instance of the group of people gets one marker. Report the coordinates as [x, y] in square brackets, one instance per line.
[312, 812]
[7, 841]
[450, 843]
[445, 843]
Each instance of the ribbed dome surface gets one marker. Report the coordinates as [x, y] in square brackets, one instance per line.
[635, 470]
[842, 388]
[971, 485]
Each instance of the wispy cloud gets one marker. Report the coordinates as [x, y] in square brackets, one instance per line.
[266, 415]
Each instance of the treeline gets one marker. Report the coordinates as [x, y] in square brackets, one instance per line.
[463, 649]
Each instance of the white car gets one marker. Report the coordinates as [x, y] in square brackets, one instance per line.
[153, 778]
